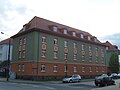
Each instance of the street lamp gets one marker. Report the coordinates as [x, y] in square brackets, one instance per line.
[66, 67]
[8, 61]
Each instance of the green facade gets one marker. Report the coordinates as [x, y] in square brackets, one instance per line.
[34, 48]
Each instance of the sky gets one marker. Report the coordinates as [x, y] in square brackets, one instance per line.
[101, 18]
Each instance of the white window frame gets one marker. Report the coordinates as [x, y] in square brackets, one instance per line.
[43, 39]
[55, 55]
[90, 68]
[65, 31]
[89, 38]
[23, 67]
[74, 34]
[43, 68]
[75, 69]
[90, 48]
[65, 68]
[43, 53]
[74, 45]
[83, 47]
[75, 57]
[24, 40]
[55, 29]
[55, 68]
[65, 56]
[55, 41]
[82, 36]
[83, 58]
[65, 43]
[19, 67]
[83, 69]
[97, 69]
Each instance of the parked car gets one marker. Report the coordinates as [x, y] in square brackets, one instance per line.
[119, 75]
[103, 80]
[73, 78]
[114, 76]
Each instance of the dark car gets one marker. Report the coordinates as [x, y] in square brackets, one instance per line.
[104, 80]
[114, 76]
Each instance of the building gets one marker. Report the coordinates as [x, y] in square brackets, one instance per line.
[110, 49]
[4, 53]
[43, 49]
[4, 46]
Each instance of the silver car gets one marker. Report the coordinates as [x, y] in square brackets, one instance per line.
[73, 78]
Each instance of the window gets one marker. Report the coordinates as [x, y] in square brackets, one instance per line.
[97, 69]
[24, 40]
[83, 47]
[65, 56]
[55, 29]
[43, 68]
[65, 31]
[96, 48]
[82, 36]
[102, 50]
[89, 38]
[20, 41]
[75, 56]
[74, 45]
[23, 54]
[90, 69]
[96, 59]
[103, 69]
[55, 41]
[107, 48]
[95, 39]
[23, 47]
[55, 55]
[43, 39]
[65, 68]
[74, 34]
[23, 67]
[83, 69]
[43, 53]
[55, 68]
[65, 43]
[20, 54]
[90, 58]
[19, 67]
[90, 48]
[75, 69]
[83, 58]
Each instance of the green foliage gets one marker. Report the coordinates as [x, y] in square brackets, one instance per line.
[114, 63]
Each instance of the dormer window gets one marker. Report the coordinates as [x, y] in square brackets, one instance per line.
[65, 31]
[55, 29]
[74, 34]
[89, 38]
[82, 36]
[95, 39]
[107, 48]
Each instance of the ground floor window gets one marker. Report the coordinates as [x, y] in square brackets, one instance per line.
[43, 68]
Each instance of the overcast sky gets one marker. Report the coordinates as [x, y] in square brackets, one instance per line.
[101, 18]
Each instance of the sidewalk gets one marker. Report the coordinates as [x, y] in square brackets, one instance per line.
[36, 82]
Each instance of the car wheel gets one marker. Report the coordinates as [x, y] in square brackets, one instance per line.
[71, 81]
[79, 80]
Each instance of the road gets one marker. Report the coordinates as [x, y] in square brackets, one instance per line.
[56, 86]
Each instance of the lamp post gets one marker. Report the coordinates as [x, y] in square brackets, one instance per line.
[66, 68]
[8, 61]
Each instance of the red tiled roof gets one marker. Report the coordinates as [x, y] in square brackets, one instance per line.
[43, 24]
[6, 41]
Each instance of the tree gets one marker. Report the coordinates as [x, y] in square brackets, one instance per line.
[114, 63]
